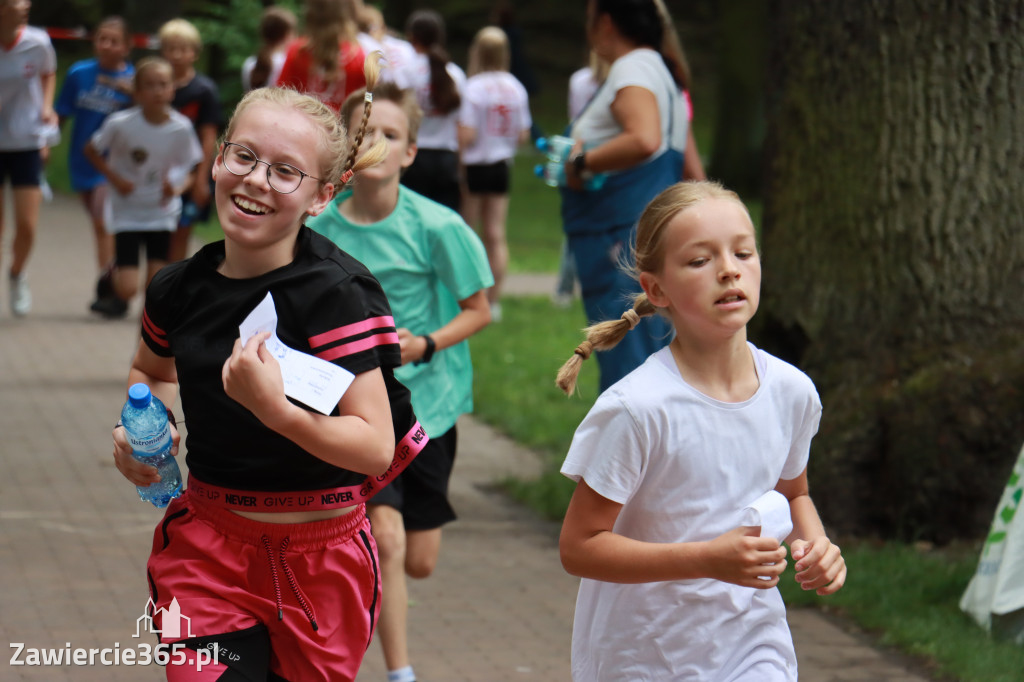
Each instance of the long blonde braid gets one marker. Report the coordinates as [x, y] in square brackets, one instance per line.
[376, 153]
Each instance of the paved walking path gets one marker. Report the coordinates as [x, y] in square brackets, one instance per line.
[74, 537]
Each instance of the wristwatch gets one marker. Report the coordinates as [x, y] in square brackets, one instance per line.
[579, 162]
[429, 352]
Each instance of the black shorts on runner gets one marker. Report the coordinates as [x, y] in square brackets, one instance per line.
[492, 178]
[434, 173]
[420, 492]
[24, 168]
[126, 246]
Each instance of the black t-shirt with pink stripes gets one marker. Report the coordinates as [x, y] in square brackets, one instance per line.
[328, 305]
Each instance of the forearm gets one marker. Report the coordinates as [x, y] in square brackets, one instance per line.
[49, 83]
[806, 522]
[346, 441]
[693, 168]
[623, 151]
[614, 558]
[467, 136]
[468, 322]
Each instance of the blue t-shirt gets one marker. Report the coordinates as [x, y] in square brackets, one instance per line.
[89, 95]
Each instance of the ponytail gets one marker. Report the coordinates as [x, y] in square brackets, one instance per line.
[425, 29]
[375, 154]
[261, 69]
[444, 95]
[276, 25]
[602, 336]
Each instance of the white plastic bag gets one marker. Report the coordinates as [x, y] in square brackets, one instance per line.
[995, 595]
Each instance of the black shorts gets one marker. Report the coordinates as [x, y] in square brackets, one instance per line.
[23, 168]
[434, 173]
[126, 246]
[492, 178]
[421, 491]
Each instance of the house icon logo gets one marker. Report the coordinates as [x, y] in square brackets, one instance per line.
[171, 619]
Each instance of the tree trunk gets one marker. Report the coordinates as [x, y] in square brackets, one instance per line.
[894, 252]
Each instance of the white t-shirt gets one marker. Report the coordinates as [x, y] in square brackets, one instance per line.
[21, 92]
[399, 57]
[684, 466]
[437, 130]
[276, 62]
[643, 68]
[146, 154]
[496, 105]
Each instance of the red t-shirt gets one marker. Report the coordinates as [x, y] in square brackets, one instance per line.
[299, 73]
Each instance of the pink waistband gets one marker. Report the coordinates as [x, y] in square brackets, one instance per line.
[312, 500]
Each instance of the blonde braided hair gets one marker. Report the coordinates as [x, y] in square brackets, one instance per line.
[376, 153]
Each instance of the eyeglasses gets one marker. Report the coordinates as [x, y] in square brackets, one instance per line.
[240, 160]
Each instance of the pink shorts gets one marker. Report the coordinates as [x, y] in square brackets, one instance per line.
[279, 601]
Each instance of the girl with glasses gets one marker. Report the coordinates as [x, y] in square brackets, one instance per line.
[268, 551]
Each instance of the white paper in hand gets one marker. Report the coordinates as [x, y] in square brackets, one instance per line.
[308, 379]
[771, 513]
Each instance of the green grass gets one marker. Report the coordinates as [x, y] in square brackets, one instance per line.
[514, 367]
[534, 229]
[909, 598]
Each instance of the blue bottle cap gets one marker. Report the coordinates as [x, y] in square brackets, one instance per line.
[139, 396]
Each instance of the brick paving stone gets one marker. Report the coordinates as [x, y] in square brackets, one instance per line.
[74, 537]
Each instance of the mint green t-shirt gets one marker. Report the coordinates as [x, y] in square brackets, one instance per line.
[427, 259]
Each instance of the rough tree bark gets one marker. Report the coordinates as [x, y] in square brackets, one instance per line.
[894, 252]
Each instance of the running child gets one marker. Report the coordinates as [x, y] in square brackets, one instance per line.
[28, 80]
[493, 121]
[692, 470]
[290, 589]
[434, 271]
[196, 96]
[146, 154]
[92, 90]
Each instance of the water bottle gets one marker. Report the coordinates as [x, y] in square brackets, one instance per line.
[557, 148]
[145, 421]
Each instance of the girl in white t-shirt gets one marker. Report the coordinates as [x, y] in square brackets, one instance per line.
[27, 123]
[692, 470]
[438, 83]
[493, 121]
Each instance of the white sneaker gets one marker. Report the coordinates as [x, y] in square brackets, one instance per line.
[21, 297]
[495, 312]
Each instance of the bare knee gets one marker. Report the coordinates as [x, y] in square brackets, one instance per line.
[420, 567]
[389, 533]
[423, 548]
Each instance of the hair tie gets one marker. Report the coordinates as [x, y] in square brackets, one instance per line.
[584, 349]
[632, 318]
[368, 97]
[346, 176]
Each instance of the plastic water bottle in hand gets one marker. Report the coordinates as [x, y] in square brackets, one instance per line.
[557, 148]
[145, 421]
